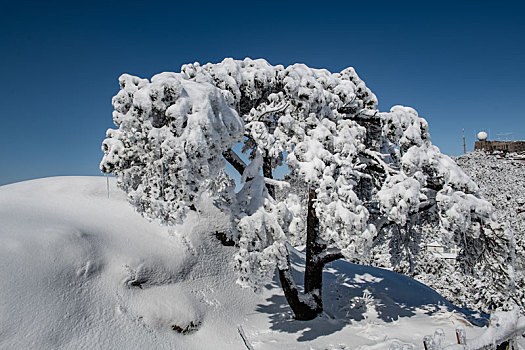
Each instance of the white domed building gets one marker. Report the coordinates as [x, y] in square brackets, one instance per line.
[498, 146]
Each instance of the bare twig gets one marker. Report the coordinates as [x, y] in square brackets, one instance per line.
[244, 339]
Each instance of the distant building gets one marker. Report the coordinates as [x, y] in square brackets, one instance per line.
[442, 252]
[500, 146]
[435, 247]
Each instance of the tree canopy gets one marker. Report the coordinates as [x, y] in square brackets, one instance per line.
[364, 185]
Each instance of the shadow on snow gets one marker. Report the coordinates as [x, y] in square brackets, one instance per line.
[352, 293]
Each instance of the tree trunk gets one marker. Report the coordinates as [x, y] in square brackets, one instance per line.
[313, 275]
[267, 173]
[307, 307]
[302, 310]
[311, 305]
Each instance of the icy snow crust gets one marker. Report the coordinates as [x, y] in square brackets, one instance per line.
[81, 271]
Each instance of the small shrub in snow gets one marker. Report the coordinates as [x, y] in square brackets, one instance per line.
[187, 329]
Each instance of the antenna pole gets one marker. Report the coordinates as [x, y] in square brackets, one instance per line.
[464, 145]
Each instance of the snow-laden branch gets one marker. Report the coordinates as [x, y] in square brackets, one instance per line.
[329, 255]
[277, 183]
[376, 156]
[272, 111]
[503, 327]
[365, 115]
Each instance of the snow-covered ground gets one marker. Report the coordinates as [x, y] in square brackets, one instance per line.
[501, 179]
[80, 270]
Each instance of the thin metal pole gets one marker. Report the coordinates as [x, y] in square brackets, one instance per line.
[107, 183]
[464, 145]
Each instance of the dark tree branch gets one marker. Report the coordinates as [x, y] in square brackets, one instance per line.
[234, 160]
[313, 278]
[302, 310]
[240, 166]
[435, 186]
[328, 258]
[267, 173]
[224, 239]
[425, 207]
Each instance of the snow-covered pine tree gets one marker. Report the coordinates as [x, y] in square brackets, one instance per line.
[370, 176]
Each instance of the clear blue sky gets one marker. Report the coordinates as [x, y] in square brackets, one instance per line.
[461, 64]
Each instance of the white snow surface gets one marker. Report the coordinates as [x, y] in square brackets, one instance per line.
[80, 270]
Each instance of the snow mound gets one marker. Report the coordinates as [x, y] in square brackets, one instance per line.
[81, 270]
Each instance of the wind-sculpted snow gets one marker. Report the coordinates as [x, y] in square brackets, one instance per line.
[80, 270]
